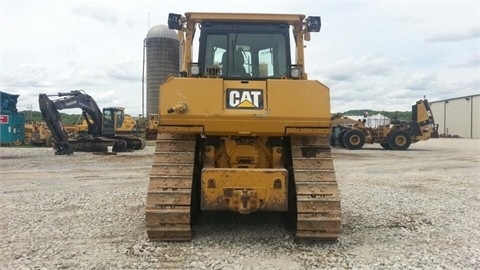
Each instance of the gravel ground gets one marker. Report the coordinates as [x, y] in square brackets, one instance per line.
[415, 209]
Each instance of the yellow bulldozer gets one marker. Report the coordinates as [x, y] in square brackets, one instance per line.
[243, 129]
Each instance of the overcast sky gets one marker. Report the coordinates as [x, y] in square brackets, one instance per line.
[372, 54]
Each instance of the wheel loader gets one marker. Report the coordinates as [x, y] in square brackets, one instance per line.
[397, 135]
[243, 129]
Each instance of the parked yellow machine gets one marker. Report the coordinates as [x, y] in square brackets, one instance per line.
[128, 125]
[151, 127]
[74, 130]
[242, 129]
[37, 133]
[102, 125]
[397, 135]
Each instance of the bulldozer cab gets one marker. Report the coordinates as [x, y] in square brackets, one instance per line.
[245, 50]
[240, 46]
[113, 118]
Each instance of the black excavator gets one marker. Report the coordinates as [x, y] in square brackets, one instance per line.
[101, 126]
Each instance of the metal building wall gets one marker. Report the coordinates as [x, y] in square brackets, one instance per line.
[476, 117]
[162, 59]
[438, 112]
[458, 116]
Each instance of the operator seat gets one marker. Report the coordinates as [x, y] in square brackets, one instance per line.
[224, 64]
[238, 62]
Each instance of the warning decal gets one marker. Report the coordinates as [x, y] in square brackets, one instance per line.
[3, 119]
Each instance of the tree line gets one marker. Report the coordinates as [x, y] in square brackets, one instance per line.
[395, 115]
[72, 119]
[67, 119]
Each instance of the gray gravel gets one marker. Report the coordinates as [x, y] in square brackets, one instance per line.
[415, 209]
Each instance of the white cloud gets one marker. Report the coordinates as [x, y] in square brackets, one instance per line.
[455, 36]
[377, 55]
[99, 13]
[350, 69]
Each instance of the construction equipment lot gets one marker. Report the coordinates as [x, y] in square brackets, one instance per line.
[414, 209]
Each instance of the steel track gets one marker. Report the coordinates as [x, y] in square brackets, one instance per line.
[318, 212]
[168, 211]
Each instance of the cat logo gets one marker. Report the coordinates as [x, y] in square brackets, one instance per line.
[245, 99]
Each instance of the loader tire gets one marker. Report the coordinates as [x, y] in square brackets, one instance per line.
[334, 135]
[17, 143]
[385, 146]
[353, 139]
[340, 138]
[331, 140]
[399, 140]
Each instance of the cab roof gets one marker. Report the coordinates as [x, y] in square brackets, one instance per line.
[291, 19]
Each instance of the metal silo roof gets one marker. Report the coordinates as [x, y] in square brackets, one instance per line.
[161, 31]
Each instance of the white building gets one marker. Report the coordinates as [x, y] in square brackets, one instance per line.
[458, 116]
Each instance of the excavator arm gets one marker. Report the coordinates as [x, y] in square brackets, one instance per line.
[90, 110]
[69, 100]
[51, 116]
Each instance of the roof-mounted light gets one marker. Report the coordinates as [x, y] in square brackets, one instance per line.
[296, 72]
[175, 21]
[194, 69]
[313, 24]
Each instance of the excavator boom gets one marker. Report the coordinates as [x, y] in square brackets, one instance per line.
[90, 110]
[51, 117]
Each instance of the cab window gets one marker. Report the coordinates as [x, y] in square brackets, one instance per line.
[256, 55]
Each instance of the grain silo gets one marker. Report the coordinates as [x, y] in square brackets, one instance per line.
[162, 59]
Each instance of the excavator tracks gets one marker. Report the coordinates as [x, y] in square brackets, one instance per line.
[318, 212]
[168, 206]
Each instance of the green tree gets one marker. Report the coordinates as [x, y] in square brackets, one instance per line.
[67, 119]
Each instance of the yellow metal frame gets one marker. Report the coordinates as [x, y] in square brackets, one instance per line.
[191, 19]
[288, 104]
[244, 190]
